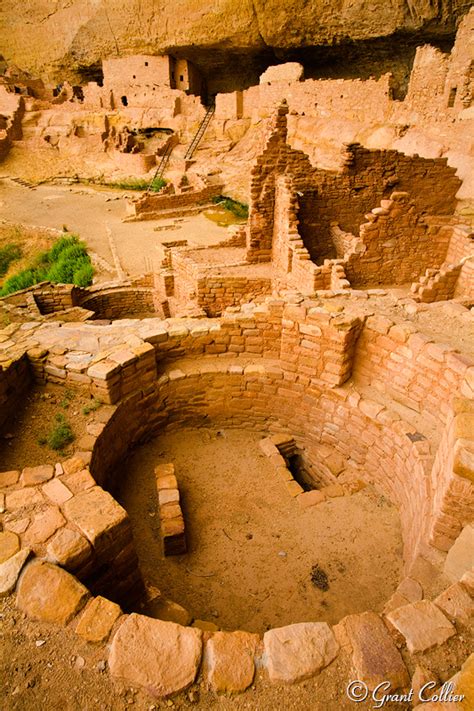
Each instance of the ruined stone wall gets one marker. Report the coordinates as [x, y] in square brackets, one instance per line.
[148, 206]
[15, 381]
[370, 176]
[399, 244]
[216, 293]
[119, 302]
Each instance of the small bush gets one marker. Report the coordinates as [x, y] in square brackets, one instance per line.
[91, 407]
[8, 254]
[61, 434]
[67, 262]
[239, 209]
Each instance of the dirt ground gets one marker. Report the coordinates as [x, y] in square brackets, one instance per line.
[94, 213]
[34, 418]
[251, 546]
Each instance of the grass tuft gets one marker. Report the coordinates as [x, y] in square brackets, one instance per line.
[67, 262]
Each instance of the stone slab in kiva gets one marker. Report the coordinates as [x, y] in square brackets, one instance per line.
[374, 655]
[299, 651]
[161, 657]
[229, 660]
[48, 593]
[422, 624]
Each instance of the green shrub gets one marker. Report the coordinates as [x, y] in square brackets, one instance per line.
[61, 434]
[67, 262]
[83, 275]
[19, 281]
[239, 209]
[92, 406]
[8, 254]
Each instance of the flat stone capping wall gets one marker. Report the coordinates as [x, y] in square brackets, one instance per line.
[59, 514]
[165, 658]
[171, 515]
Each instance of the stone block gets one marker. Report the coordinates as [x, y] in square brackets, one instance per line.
[460, 556]
[162, 609]
[69, 549]
[8, 478]
[456, 603]
[229, 661]
[43, 525]
[463, 464]
[374, 655]
[9, 545]
[167, 481]
[294, 489]
[422, 624]
[168, 496]
[31, 476]
[79, 481]
[332, 491]
[10, 570]
[299, 651]
[48, 593]
[23, 498]
[310, 498]
[56, 491]
[98, 516]
[96, 622]
[161, 657]
[268, 447]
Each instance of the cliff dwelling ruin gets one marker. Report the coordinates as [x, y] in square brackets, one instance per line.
[237, 356]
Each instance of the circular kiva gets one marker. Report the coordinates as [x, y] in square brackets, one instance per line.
[396, 408]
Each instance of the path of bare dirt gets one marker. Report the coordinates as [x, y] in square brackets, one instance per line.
[251, 546]
[91, 212]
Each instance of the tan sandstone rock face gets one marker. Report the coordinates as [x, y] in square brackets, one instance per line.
[160, 656]
[297, 652]
[422, 624]
[98, 619]
[48, 593]
[49, 41]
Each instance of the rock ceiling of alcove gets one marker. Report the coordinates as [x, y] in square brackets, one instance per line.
[57, 39]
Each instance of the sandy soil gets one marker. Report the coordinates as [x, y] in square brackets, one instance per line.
[92, 212]
[251, 547]
[34, 418]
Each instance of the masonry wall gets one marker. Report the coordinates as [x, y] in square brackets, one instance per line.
[15, 381]
[149, 205]
[398, 244]
[216, 293]
[120, 303]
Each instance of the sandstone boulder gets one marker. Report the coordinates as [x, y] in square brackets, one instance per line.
[97, 620]
[229, 660]
[161, 657]
[374, 654]
[48, 593]
[299, 651]
[422, 624]
[10, 570]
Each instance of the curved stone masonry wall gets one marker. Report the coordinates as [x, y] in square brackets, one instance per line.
[277, 367]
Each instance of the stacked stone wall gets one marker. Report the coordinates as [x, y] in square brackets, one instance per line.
[15, 381]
